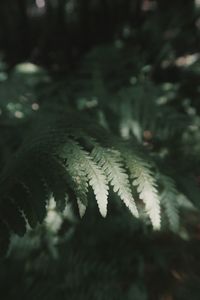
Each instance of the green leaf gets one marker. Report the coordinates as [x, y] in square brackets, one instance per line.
[144, 181]
[78, 157]
[111, 163]
[169, 201]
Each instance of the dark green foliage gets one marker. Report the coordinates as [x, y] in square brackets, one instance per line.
[66, 154]
[99, 116]
[63, 155]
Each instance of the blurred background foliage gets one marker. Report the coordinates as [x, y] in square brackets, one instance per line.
[134, 66]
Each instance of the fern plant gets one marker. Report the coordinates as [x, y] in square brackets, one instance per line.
[66, 160]
[68, 156]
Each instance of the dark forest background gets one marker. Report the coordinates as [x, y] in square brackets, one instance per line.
[132, 66]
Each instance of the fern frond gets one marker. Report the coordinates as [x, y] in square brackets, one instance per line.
[23, 199]
[64, 161]
[95, 176]
[38, 192]
[111, 163]
[169, 201]
[144, 181]
[57, 179]
[12, 216]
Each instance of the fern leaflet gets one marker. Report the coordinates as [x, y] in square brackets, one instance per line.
[97, 180]
[144, 180]
[111, 163]
[169, 201]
